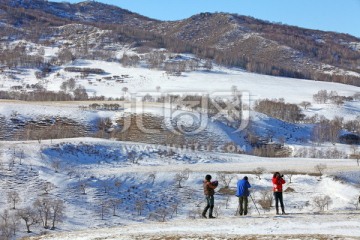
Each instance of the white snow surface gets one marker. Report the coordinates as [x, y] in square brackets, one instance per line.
[97, 161]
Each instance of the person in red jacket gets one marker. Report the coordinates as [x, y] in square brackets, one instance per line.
[278, 181]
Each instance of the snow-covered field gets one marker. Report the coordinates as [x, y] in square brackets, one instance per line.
[101, 163]
[219, 79]
[338, 225]
[98, 164]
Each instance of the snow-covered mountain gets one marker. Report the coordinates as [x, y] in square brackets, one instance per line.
[229, 39]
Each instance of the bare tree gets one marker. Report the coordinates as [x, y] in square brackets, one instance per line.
[21, 157]
[124, 90]
[162, 213]
[56, 165]
[190, 193]
[225, 179]
[57, 208]
[82, 185]
[320, 168]
[227, 200]
[182, 176]
[175, 207]
[8, 225]
[133, 157]
[305, 104]
[117, 184]
[259, 171]
[29, 216]
[13, 198]
[72, 172]
[146, 193]
[139, 206]
[355, 155]
[114, 204]
[208, 65]
[290, 173]
[152, 177]
[105, 184]
[43, 207]
[322, 202]
[321, 96]
[356, 203]
[14, 223]
[47, 187]
[103, 207]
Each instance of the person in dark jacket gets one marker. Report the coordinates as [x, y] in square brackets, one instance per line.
[242, 192]
[209, 195]
[278, 181]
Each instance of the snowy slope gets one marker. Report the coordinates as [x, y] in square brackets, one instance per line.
[218, 79]
[103, 161]
[339, 226]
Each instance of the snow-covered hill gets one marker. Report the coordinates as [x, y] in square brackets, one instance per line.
[100, 164]
[143, 80]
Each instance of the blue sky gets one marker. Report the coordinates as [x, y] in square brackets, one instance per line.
[329, 15]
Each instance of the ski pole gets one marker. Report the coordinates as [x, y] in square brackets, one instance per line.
[254, 203]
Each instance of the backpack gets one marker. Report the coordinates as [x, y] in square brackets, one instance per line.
[215, 183]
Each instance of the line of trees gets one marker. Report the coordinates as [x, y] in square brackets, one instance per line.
[79, 94]
[323, 96]
[46, 212]
[279, 109]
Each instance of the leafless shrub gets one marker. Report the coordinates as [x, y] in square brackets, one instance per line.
[152, 177]
[266, 199]
[321, 96]
[182, 176]
[225, 179]
[356, 203]
[259, 171]
[82, 185]
[320, 168]
[193, 213]
[321, 202]
[289, 173]
[114, 204]
[106, 185]
[133, 157]
[355, 155]
[174, 207]
[8, 225]
[139, 206]
[117, 184]
[160, 214]
[190, 193]
[103, 206]
[56, 165]
[217, 211]
[47, 187]
[13, 198]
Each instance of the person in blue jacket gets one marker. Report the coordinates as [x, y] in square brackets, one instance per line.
[243, 193]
